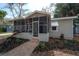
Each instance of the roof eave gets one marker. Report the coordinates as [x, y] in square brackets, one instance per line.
[64, 18]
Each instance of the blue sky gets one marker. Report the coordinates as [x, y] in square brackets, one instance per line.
[30, 6]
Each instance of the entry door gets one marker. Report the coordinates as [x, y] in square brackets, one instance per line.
[35, 29]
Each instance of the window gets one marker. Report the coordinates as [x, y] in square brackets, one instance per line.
[54, 28]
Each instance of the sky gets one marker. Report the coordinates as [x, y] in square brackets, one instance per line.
[31, 6]
[37, 6]
[34, 4]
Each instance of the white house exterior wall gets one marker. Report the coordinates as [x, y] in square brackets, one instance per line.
[65, 27]
[41, 37]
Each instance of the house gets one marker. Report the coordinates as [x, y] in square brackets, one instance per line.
[6, 25]
[69, 26]
[9, 26]
[40, 24]
[36, 24]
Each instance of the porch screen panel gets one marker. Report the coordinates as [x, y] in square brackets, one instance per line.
[26, 25]
[23, 25]
[16, 25]
[35, 19]
[30, 25]
[43, 24]
[49, 23]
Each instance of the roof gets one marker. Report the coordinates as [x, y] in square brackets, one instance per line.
[40, 12]
[64, 18]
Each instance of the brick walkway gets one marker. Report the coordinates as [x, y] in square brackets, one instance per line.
[23, 50]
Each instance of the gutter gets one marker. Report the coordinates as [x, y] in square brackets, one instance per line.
[64, 18]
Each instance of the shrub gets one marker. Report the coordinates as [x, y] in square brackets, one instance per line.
[42, 47]
[2, 29]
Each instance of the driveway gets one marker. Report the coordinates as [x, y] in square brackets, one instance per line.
[23, 50]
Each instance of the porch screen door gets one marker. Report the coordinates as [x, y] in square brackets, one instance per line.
[35, 28]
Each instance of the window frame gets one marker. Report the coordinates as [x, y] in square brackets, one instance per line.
[54, 28]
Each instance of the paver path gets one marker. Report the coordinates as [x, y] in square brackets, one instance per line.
[23, 50]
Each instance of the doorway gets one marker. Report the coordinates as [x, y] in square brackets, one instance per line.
[35, 29]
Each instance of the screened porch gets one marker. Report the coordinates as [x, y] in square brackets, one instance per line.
[27, 25]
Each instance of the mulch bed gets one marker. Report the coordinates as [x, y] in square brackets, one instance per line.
[36, 53]
[53, 53]
[41, 49]
[11, 43]
[66, 46]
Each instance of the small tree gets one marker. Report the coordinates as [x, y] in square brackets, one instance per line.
[17, 9]
[49, 9]
[2, 21]
[66, 9]
[2, 14]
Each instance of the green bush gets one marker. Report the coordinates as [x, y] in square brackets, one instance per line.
[42, 47]
[2, 30]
